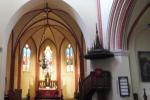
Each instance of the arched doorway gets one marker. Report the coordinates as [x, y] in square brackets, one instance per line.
[44, 27]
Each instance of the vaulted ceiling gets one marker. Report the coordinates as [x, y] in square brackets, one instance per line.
[47, 23]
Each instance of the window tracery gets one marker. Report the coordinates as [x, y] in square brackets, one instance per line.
[69, 58]
[26, 58]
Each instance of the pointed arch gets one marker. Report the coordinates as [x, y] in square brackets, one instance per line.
[135, 23]
[120, 14]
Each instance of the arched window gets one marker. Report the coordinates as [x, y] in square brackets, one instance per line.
[69, 58]
[26, 58]
[49, 59]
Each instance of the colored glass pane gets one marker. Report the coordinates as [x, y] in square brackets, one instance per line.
[26, 58]
[69, 58]
[49, 58]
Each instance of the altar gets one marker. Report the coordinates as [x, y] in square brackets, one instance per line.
[48, 90]
[44, 94]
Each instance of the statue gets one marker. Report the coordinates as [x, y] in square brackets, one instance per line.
[47, 80]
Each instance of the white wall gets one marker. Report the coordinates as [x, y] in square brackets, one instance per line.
[140, 42]
[105, 14]
[140, 4]
[87, 9]
[1, 68]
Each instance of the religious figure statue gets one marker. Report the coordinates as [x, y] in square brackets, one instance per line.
[47, 80]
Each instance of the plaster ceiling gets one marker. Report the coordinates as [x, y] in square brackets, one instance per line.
[47, 23]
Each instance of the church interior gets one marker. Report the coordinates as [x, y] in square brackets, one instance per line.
[46, 50]
[74, 50]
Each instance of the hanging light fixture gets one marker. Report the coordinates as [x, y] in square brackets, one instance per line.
[46, 9]
[43, 62]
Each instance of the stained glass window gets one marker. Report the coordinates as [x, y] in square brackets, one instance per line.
[26, 58]
[69, 58]
[49, 58]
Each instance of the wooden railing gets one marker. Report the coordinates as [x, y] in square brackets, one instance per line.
[98, 81]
